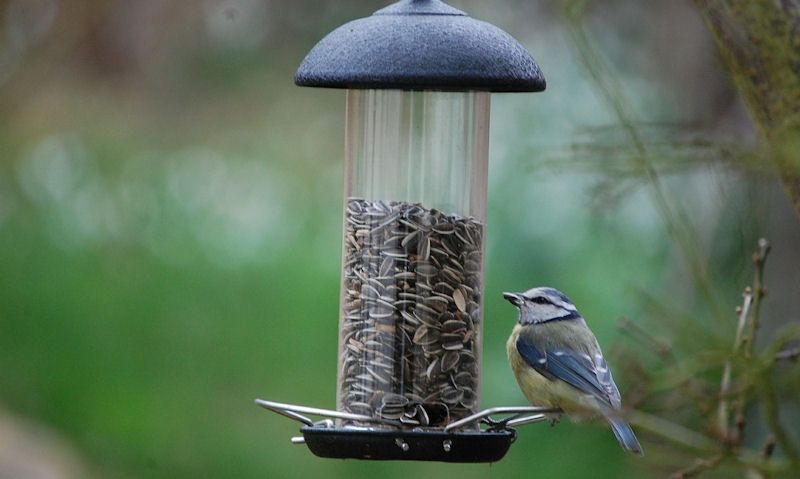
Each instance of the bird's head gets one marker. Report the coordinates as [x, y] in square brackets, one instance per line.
[539, 305]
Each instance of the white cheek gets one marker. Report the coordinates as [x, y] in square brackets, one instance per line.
[567, 306]
[547, 311]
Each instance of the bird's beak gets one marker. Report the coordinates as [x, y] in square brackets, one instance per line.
[514, 298]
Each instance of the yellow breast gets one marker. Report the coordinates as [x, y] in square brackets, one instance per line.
[539, 390]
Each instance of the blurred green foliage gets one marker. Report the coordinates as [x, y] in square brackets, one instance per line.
[170, 211]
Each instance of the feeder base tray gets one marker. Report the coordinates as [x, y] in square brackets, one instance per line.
[343, 443]
[460, 441]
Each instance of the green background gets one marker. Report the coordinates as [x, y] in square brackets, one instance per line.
[170, 218]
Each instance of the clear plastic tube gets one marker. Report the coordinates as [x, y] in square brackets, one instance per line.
[412, 283]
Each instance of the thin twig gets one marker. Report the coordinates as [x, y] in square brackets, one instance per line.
[699, 466]
[748, 317]
[671, 431]
[759, 290]
[769, 448]
[780, 347]
[788, 354]
[723, 412]
[674, 215]
[662, 349]
[766, 454]
[754, 460]
[772, 413]
[743, 313]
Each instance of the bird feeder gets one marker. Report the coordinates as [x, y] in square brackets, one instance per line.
[418, 76]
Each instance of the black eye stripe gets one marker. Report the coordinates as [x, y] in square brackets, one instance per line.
[541, 300]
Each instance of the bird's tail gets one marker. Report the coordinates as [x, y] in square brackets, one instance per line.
[625, 436]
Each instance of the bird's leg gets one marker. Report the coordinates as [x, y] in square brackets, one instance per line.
[554, 418]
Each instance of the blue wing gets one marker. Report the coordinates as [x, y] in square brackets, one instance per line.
[589, 375]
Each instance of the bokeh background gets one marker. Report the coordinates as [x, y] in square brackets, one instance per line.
[170, 218]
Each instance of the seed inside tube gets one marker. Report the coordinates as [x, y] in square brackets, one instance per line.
[458, 297]
[411, 314]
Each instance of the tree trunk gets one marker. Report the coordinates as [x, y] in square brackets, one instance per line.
[759, 42]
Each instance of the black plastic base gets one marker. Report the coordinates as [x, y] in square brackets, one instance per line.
[388, 445]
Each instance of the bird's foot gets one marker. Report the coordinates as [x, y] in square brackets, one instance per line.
[554, 419]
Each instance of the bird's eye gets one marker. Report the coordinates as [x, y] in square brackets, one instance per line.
[540, 300]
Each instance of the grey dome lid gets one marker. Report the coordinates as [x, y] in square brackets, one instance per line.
[420, 45]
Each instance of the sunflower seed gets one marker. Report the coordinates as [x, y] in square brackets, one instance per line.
[449, 360]
[426, 336]
[458, 297]
[411, 313]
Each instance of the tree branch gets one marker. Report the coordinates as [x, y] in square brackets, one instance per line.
[748, 317]
[698, 467]
[675, 217]
[759, 290]
[723, 411]
[759, 43]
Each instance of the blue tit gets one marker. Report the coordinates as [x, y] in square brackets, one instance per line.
[558, 363]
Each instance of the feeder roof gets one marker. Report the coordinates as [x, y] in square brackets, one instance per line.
[420, 45]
